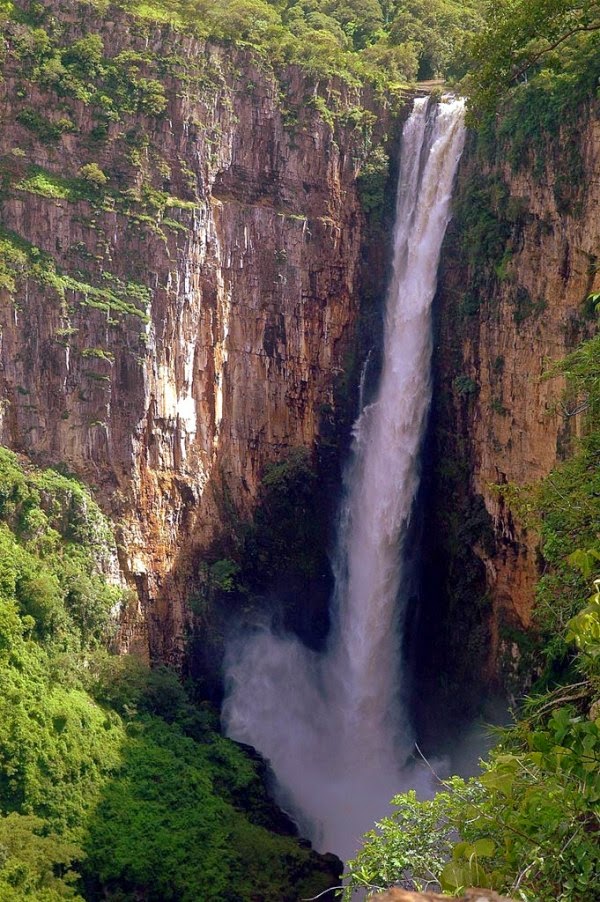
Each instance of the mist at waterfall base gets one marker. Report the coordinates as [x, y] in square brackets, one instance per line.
[334, 725]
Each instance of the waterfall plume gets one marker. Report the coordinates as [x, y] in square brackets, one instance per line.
[333, 724]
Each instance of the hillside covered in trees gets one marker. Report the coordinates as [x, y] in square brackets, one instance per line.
[388, 41]
[112, 780]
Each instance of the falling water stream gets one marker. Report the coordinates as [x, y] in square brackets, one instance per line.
[333, 724]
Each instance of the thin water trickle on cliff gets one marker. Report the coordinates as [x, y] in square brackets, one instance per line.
[333, 725]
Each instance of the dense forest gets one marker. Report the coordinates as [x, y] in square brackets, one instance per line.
[113, 778]
[115, 782]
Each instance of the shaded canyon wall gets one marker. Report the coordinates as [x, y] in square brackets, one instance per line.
[519, 263]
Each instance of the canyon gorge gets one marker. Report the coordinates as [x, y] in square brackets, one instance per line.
[243, 339]
[341, 714]
[192, 320]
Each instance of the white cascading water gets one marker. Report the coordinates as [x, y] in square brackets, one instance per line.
[333, 725]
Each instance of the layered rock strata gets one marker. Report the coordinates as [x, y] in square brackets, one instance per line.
[519, 265]
[184, 347]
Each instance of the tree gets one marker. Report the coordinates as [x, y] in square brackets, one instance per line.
[93, 175]
[518, 37]
[360, 19]
[35, 864]
[436, 28]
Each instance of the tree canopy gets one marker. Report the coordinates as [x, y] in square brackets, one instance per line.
[113, 784]
[520, 38]
[382, 40]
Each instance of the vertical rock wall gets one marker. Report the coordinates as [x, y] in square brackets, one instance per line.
[518, 266]
[169, 395]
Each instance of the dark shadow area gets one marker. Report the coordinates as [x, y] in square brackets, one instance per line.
[449, 631]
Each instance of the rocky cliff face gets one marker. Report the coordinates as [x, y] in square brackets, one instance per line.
[519, 264]
[200, 301]
[177, 316]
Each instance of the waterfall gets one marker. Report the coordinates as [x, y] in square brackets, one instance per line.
[333, 725]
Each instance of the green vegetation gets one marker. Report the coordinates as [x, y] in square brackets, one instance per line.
[527, 826]
[465, 386]
[481, 210]
[93, 175]
[525, 306]
[39, 181]
[537, 63]
[288, 528]
[566, 507]
[283, 546]
[81, 70]
[113, 785]
[93, 185]
[388, 42]
[372, 182]
[47, 131]
[20, 261]
[550, 44]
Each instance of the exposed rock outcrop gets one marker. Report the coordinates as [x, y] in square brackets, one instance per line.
[169, 395]
[519, 263]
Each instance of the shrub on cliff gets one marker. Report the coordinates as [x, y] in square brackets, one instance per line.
[286, 539]
[93, 175]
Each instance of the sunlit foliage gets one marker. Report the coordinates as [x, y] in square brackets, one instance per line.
[112, 783]
[550, 42]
